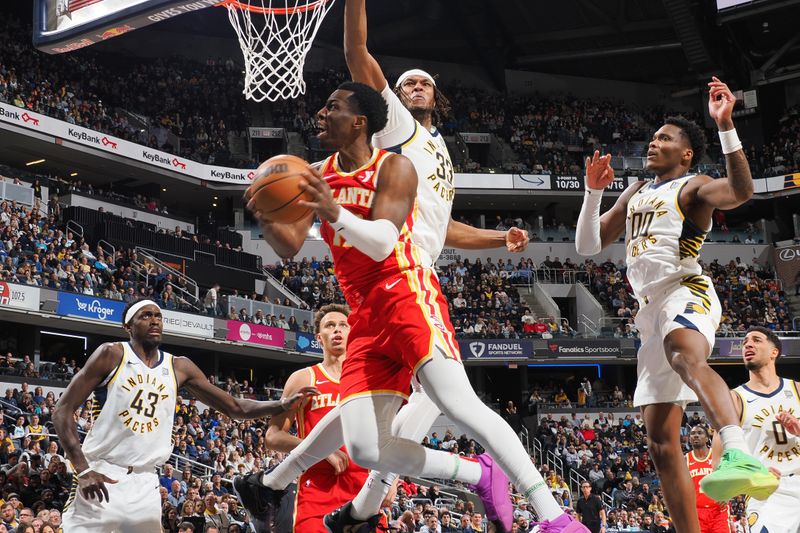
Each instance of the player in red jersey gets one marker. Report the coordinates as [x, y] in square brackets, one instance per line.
[328, 484]
[399, 324]
[713, 515]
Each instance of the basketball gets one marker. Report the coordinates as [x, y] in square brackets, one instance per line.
[275, 191]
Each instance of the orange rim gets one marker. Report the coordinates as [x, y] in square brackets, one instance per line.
[274, 10]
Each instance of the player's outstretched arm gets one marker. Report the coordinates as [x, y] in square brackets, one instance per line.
[468, 237]
[737, 188]
[285, 239]
[190, 376]
[102, 362]
[595, 232]
[363, 67]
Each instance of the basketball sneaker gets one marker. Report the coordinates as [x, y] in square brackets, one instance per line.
[738, 473]
[341, 521]
[563, 524]
[260, 501]
[493, 491]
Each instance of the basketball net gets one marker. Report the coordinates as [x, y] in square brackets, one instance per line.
[275, 42]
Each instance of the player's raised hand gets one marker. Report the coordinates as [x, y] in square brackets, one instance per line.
[93, 485]
[789, 422]
[599, 173]
[720, 103]
[517, 240]
[293, 402]
[320, 192]
[339, 461]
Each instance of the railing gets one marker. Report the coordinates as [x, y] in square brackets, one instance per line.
[283, 289]
[538, 451]
[198, 469]
[555, 463]
[190, 296]
[103, 244]
[269, 309]
[74, 227]
[525, 437]
[589, 327]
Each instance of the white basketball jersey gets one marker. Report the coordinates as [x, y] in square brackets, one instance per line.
[661, 244]
[428, 153]
[134, 412]
[766, 437]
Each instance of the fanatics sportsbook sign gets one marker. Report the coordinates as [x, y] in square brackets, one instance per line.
[582, 347]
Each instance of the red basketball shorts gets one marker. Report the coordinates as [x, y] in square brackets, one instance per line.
[399, 326]
[320, 491]
[713, 520]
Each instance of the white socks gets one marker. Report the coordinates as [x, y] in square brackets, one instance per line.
[733, 438]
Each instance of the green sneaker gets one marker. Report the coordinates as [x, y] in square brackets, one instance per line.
[738, 473]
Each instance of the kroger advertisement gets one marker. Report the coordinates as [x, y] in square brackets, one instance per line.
[90, 307]
[113, 145]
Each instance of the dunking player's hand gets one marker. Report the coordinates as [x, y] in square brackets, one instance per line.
[599, 173]
[720, 104]
[789, 422]
[517, 240]
[320, 192]
[93, 485]
[292, 402]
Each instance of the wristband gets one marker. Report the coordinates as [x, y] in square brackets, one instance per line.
[730, 141]
[85, 472]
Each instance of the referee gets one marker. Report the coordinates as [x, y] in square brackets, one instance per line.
[590, 509]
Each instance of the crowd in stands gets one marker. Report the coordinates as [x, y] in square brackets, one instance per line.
[189, 108]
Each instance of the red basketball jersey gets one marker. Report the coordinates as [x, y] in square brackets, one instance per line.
[313, 411]
[698, 470]
[357, 273]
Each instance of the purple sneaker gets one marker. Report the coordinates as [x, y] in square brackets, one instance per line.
[493, 492]
[563, 524]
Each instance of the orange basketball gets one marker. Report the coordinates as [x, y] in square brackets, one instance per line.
[275, 191]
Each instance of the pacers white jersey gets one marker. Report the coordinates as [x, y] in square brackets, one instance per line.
[766, 438]
[428, 153]
[134, 412]
[661, 244]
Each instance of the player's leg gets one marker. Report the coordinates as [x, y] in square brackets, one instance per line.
[738, 472]
[663, 424]
[412, 422]
[446, 382]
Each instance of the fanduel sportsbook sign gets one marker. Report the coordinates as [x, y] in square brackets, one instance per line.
[495, 349]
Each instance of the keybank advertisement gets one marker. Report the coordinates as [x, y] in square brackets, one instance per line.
[90, 307]
[196, 325]
[113, 145]
[20, 296]
[495, 349]
[308, 343]
[255, 334]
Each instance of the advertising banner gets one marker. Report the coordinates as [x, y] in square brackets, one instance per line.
[532, 181]
[195, 325]
[495, 349]
[307, 343]
[267, 133]
[255, 334]
[19, 296]
[476, 138]
[113, 145]
[567, 347]
[90, 307]
[729, 347]
[787, 264]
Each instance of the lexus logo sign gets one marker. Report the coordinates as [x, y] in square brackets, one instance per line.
[788, 254]
[477, 348]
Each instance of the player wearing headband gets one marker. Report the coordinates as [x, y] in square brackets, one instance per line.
[135, 385]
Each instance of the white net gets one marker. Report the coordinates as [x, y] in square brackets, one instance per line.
[275, 40]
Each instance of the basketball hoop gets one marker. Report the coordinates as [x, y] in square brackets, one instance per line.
[275, 40]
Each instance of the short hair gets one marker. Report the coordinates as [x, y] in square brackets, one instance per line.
[186, 525]
[693, 133]
[771, 336]
[703, 428]
[330, 308]
[368, 102]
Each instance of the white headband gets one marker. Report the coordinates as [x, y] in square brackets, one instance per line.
[414, 72]
[135, 308]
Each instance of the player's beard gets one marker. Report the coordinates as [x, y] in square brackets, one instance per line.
[149, 345]
[420, 114]
[753, 365]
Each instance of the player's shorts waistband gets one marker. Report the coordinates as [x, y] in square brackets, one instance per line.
[104, 467]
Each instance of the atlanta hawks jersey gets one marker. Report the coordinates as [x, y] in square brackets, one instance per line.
[662, 245]
[766, 437]
[428, 153]
[357, 273]
[316, 408]
[698, 470]
[134, 409]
